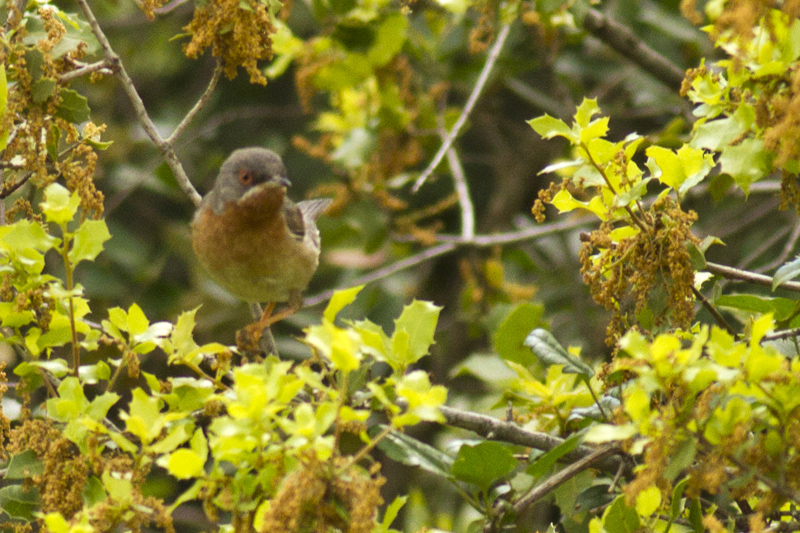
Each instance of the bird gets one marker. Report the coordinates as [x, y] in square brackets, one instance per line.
[256, 242]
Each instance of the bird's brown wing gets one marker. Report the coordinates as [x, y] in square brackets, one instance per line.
[294, 220]
[298, 215]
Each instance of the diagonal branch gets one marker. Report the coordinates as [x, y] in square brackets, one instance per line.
[573, 469]
[625, 42]
[450, 243]
[491, 59]
[136, 101]
[206, 96]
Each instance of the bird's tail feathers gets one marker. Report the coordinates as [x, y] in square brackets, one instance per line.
[312, 209]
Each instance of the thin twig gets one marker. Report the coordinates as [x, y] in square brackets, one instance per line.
[537, 492]
[513, 237]
[746, 275]
[625, 42]
[169, 7]
[795, 332]
[491, 59]
[780, 489]
[462, 190]
[714, 313]
[206, 96]
[141, 112]
[408, 262]
[449, 243]
[788, 248]
[102, 65]
[762, 248]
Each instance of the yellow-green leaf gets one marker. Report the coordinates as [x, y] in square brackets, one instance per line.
[185, 464]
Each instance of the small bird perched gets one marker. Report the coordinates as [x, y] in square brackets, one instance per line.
[253, 240]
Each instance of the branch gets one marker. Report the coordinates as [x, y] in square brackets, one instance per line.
[141, 112]
[746, 275]
[408, 262]
[514, 237]
[206, 96]
[795, 332]
[537, 492]
[714, 313]
[449, 243]
[102, 65]
[495, 429]
[788, 247]
[491, 59]
[462, 190]
[625, 42]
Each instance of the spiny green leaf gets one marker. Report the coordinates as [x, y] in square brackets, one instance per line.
[88, 241]
[59, 206]
[42, 89]
[418, 321]
[339, 301]
[746, 162]
[548, 127]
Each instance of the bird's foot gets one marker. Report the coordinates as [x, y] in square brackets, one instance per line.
[248, 338]
[257, 337]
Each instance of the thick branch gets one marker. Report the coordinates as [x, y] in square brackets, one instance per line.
[552, 482]
[500, 430]
[625, 42]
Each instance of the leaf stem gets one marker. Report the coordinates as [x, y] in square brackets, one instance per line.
[76, 358]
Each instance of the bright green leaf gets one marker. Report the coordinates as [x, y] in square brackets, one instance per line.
[185, 464]
[746, 162]
[648, 501]
[59, 206]
[418, 320]
[548, 127]
[88, 241]
[340, 300]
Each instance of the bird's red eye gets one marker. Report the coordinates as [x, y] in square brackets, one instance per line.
[245, 177]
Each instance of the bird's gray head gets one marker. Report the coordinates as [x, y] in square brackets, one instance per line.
[245, 169]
